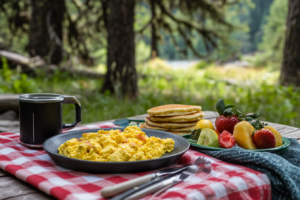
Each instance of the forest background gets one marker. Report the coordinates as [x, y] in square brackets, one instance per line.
[239, 59]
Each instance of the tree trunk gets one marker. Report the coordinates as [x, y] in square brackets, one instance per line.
[154, 47]
[45, 34]
[121, 76]
[290, 70]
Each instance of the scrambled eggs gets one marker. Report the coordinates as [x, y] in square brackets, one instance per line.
[116, 146]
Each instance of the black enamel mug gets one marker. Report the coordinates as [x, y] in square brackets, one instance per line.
[41, 117]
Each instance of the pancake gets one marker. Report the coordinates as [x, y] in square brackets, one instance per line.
[169, 125]
[184, 129]
[173, 110]
[142, 125]
[179, 118]
[154, 127]
[177, 132]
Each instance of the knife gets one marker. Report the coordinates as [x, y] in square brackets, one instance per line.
[160, 186]
[140, 187]
[121, 187]
[201, 165]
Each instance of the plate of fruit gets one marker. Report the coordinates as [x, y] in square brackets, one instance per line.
[232, 128]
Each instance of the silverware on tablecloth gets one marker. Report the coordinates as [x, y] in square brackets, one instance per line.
[202, 166]
[199, 165]
[145, 185]
[121, 187]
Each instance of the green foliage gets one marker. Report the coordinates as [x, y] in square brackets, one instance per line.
[14, 16]
[276, 103]
[203, 86]
[201, 65]
[237, 38]
[85, 34]
[274, 31]
[273, 38]
[257, 18]
[257, 60]
[142, 51]
[14, 81]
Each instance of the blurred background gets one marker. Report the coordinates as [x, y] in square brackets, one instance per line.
[122, 57]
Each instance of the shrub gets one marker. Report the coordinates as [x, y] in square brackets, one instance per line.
[12, 81]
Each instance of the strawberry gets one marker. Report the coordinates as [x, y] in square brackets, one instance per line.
[226, 123]
[226, 140]
[227, 119]
[264, 139]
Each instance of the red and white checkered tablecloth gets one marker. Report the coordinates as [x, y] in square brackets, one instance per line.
[226, 181]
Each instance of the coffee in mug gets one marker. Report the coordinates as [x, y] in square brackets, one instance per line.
[41, 117]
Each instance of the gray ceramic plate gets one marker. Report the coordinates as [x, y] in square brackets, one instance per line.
[51, 145]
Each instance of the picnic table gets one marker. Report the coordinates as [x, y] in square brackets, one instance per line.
[14, 189]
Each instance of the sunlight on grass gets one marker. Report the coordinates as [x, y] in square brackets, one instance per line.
[253, 90]
[242, 73]
[199, 87]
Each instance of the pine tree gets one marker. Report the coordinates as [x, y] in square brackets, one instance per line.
[187, 17]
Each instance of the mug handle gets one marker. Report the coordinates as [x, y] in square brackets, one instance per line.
[73, 100]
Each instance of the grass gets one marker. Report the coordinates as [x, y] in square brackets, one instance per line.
[250, 89]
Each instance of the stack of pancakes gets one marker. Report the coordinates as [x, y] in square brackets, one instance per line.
[175, 118]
